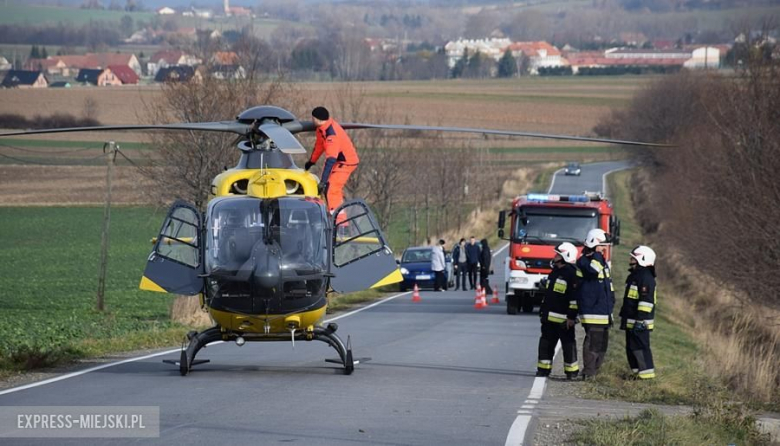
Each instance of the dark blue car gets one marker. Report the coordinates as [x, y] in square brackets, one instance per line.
[415, 266]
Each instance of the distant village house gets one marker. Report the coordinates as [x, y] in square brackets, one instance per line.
[24, 79]
[99, 77]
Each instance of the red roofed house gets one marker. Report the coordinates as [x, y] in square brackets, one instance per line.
[225, 58]
[540, 54]
[49, 65]
[170, 58]
[124, 74]
[96, 61]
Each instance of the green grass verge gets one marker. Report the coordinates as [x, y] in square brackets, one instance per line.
[651, 427]
[49, 283]
[681, 379]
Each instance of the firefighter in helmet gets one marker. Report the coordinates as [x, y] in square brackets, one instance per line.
[638, 311]
[596, 300]
[559, 313]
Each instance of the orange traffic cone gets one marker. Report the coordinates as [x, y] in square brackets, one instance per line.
[495, 295]
[479, 301]
[484, 297]
[416, 294]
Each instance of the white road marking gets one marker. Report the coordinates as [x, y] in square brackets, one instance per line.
[517, 431]
[552, 183]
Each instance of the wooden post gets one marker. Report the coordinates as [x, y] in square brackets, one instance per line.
[110, 149]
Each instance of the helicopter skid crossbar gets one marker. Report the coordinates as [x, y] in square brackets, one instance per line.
[323, 334]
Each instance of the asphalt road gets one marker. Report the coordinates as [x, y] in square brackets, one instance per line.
[591, 179]
[441, 372]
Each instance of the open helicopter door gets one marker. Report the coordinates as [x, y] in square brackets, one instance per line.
[176, 262]
[361, 258]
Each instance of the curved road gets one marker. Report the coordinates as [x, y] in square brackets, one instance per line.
[441, 372]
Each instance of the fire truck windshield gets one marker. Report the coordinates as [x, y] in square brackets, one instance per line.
[553, 225]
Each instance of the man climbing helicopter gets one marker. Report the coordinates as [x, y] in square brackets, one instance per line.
[341, 158]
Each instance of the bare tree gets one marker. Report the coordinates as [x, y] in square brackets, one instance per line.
[184, 163]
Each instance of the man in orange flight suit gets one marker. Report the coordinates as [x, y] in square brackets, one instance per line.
[341, 159]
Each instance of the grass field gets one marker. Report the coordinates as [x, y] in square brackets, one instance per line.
[17, 14]
[49, 283]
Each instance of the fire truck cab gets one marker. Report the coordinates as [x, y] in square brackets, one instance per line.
[538, 223]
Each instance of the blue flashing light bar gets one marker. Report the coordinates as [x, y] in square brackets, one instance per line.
[568, 198]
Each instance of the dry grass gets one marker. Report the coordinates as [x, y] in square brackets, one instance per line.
[68, 185]
[186, 310]
[741, 339]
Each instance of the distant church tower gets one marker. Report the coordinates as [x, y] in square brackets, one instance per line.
[227, 7]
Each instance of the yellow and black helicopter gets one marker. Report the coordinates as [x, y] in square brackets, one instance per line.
[266, 251]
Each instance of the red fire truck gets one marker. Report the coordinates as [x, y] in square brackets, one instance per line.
[539, 222]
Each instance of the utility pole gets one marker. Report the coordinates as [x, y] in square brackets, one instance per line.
[110, 149]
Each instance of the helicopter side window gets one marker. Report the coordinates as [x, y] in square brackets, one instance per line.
[179, 238]
[360, 238]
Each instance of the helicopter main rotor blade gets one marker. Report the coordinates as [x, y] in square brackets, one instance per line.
[218, 126]
[499, 132]
[283, 139]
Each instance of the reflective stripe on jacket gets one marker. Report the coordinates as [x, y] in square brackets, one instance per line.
[595, 298]
[560, 301]
[639, 299]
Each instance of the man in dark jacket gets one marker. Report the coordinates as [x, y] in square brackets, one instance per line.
[485, 257]
[459, 264]
[472, 258]
[638, 311]
[558, 313]
[595, 300]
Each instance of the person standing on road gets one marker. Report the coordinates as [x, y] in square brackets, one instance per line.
[558, 313]
[438, 265]
[638, 311]
[485, 257]
[341, 158]
[595, 301]
[472, 258]
[460, 265]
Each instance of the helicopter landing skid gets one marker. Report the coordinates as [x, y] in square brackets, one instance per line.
[328, 335]
[196, 342]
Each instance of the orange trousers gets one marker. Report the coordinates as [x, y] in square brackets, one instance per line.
[338, 178]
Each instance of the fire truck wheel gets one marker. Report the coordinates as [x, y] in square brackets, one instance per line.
[511, 304]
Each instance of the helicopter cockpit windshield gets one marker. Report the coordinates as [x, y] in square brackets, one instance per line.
[235, 225]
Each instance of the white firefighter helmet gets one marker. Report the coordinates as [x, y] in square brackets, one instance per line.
[644, 255]
[567, 251]
[595, 238]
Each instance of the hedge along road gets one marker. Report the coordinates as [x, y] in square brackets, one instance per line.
[441, 372]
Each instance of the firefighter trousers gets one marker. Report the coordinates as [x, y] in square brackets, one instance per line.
[551, 334]
[640, 357]
[594, 348]
[338, 178]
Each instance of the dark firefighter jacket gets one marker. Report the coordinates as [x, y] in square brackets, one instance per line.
[560, 295]
[337, 146]
[595, 296]
[639, 299]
